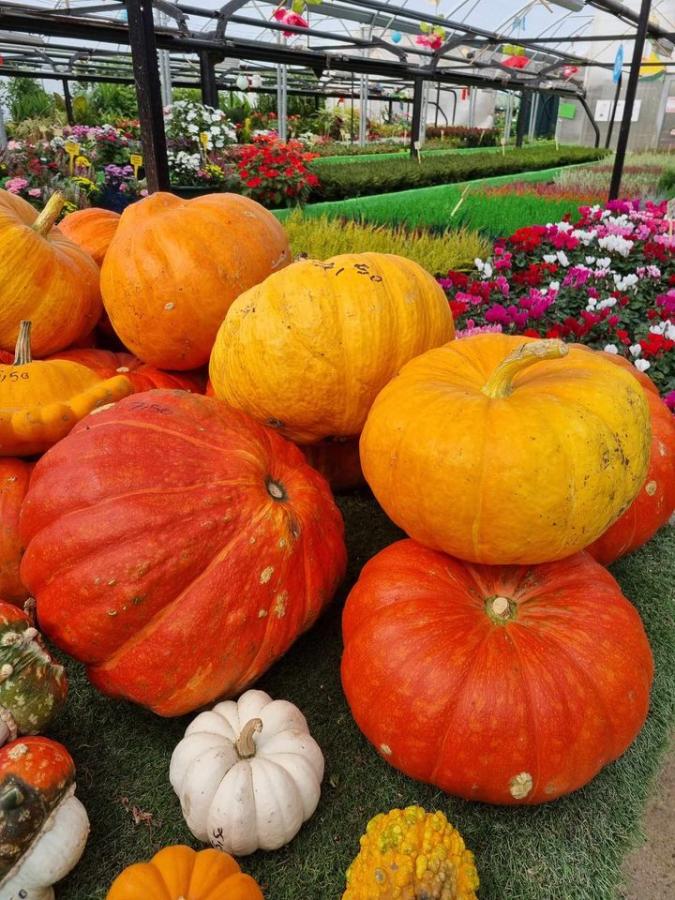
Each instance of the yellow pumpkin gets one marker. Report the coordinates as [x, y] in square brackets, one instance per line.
[179, 873]
[503, 450]
[41, 401]
[44, 277]
[308, 350]
[409, 854]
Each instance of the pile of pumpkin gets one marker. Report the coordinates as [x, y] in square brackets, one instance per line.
[178, 535]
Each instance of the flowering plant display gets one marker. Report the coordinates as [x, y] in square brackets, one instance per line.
[607, 280]
[274, 173]
[186, 120]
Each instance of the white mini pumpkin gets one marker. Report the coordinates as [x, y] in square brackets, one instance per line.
[248, 774]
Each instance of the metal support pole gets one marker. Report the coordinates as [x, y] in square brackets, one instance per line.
[523, 117]
[534, 115]
[146, 79]
[207, 75]
[617, 94]
[363, 110]
[418, 94]
[3, 132]
[164, 64]
[282, 97]
[390, 110]
[68, 102]
[594, 124]
[631, 90]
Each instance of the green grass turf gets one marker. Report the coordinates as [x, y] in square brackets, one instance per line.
[432, 207]
[405, 151]
[568, 850]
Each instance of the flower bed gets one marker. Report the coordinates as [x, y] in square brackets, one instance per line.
[607, 280]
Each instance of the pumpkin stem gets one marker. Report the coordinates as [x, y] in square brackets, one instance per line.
[47, 218]
[500, 383]
[22, 351]
[245, 745]
[500, 609]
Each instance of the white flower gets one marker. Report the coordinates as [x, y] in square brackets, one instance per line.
[589, 260]
[625, 282]
[603, 262]
[592, 303]
[610, 348]
[642, 365]
[193, 129]
[562, 258]
[670, 331]
[550, 257]
[478, 263]
[564, 226]
[659, 328]
[615, 243]
[487, 270]
[585, 237]
[607, 303]
[554, 286]
[635, 350]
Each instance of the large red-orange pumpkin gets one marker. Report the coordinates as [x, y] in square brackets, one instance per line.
[14, 478]
[107, 364]
[338, 461]
[507, 684]
[175, 266]
[92, 229]
[178, 548]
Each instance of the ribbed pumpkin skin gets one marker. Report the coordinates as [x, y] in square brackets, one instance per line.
[92, 229]
[308, 350]
[654, 505]
[47, 280]
[520, 710]
[188, 585]
[14, 478]
[174, 267]
[338, 461]
[107, 364]
[525, 478]
[180, 873]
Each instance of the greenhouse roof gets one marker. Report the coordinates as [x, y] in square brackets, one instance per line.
[478, 42]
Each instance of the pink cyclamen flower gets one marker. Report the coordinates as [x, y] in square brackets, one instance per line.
[35, 192]
[670, 400]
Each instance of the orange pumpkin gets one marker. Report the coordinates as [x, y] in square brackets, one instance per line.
[174, 267]
[41, 401]
[180, 873]
[14, 478]
[107, 364]
[654, 505]
[338, 461]
[500, 449]
[44, 277]
[92, 229]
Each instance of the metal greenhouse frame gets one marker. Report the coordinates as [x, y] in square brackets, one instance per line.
[208, 56]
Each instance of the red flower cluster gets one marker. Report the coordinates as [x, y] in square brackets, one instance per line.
[275, 173]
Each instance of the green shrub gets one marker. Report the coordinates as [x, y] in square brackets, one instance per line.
[26, 99]
[323, 237]
[366, 177]
[667, 183]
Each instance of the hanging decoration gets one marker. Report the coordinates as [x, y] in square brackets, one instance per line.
[396, 37]
[569, 71]
[256, 81]
[652, 68]
[516, 62]
[242, 82]
[293, 15]
[432, 36]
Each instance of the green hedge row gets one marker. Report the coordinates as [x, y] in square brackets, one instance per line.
[362, 178]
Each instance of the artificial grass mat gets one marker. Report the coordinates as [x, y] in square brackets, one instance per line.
[567, 850]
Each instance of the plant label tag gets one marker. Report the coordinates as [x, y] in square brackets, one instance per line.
[136, 161]
[72, 148]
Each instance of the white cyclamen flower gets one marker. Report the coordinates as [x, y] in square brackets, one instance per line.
[642, 365]
[610, 348]
[635, 350]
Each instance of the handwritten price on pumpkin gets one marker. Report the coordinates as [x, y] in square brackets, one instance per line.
[14, 376]
[360, 268]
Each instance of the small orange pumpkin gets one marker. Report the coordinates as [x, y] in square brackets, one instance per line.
[92, 229]
[44, 277]
[41, 401]
[180, 873]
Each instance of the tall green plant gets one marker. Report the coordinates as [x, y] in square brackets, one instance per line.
[27, 99]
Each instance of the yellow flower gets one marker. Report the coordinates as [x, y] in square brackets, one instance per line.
[82, 161]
